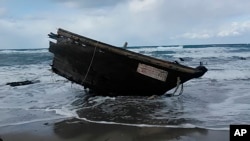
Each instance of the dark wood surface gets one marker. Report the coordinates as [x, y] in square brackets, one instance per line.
[108, 70]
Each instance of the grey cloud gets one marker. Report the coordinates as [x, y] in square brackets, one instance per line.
[2, 11]
[143, 22]
[92, 3]
[166, 21]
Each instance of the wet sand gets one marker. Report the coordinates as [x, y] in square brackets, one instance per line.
[78, 130]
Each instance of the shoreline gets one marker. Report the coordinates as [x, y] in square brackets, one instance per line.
[72, 129]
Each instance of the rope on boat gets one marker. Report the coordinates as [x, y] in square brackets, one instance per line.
[178, 83]
[90, 64]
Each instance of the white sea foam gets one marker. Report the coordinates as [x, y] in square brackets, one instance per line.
[100, 99]
[24, 51]
[188, 126]
[30, 121]
[47, 97]
[64, 112]
[39, 72]
[180, 52]
[159, 48]
[230, 107]
[228, 75]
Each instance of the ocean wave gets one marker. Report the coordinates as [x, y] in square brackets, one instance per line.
[227, 75]
[155, 49]
[57, 97]
[180, 52]
[30, 121]
[186, 126]
[25, 51]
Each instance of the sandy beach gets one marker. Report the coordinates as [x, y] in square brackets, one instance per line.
[78, 130]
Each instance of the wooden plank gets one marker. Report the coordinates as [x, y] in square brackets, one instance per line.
[129, 54]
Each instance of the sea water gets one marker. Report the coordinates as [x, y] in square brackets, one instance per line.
[219, 98]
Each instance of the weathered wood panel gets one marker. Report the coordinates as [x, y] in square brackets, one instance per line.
[108, 70]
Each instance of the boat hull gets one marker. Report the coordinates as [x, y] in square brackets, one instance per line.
[106, 72]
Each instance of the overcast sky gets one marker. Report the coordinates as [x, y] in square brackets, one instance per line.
[26, 23]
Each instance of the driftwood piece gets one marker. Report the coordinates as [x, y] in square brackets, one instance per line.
[21, 83]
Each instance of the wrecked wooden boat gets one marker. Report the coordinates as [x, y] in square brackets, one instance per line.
[108, 70]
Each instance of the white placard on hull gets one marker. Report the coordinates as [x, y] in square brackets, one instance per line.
[152, 72]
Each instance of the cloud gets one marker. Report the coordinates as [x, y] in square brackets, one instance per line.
[139, 22]
[144, 5]
[89, 3]
[24, 33]
[195, 36]
[235, 29]
[2, 11]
